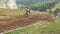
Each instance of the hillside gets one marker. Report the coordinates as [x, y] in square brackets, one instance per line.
[41, 6]
[33, 1]
[56, 6]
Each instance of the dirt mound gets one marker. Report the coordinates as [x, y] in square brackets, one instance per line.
[20, 21]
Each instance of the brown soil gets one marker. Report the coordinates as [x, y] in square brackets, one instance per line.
[20, 21]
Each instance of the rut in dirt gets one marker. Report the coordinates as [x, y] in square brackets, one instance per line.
[21, 21]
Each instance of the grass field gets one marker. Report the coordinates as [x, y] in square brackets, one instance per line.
[10, 12]
[43, 27]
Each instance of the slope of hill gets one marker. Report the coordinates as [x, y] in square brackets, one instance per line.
[56, 6]
[28, 1]
[42, 6]
[32, 1]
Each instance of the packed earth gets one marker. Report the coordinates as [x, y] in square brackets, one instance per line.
[11, 23]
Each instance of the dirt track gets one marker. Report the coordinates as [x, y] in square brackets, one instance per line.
[20, 21]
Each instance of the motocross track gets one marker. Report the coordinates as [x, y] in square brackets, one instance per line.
[21, 21]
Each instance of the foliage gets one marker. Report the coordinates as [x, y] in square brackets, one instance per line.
[41, 6]
[32, 1]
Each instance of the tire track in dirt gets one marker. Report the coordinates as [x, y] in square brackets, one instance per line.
[19, 21]
[16, 22]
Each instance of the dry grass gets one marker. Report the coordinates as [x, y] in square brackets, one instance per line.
[10, 12]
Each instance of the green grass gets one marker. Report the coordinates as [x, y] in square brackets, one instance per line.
[52, 28]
